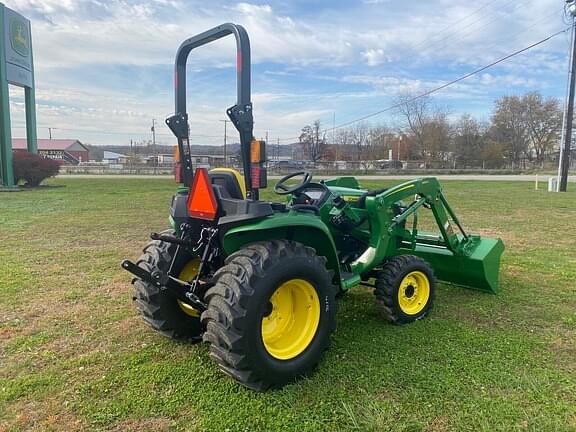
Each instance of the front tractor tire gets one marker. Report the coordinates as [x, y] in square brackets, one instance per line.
[159, 309]
[405, 289]
[270, 313]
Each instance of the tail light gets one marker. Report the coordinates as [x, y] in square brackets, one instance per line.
[177, 166]
[257, 162]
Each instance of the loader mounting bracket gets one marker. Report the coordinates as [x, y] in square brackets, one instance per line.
[241, 117]
[178, 124]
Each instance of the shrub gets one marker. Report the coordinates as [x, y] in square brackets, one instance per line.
[32, 168]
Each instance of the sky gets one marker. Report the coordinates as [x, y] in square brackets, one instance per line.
[104, 68]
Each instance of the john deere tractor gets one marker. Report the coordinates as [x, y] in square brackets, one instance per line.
[258, 280]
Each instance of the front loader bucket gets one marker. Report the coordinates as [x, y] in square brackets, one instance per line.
[477, 270]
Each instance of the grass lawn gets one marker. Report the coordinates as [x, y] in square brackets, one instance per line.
[74, 355]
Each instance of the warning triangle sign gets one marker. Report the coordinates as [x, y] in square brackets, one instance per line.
[202, 202]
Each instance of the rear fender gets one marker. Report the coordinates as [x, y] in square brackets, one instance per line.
[300, 227]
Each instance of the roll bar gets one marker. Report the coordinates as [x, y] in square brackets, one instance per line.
[240, 114]
[242, 61]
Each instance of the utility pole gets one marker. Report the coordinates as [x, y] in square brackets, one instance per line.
[153, 129]
[225, 142]
[267, 144]
[566, 148]
[50, 133]
[334, 136]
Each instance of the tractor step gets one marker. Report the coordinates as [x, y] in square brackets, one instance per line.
[349, 280]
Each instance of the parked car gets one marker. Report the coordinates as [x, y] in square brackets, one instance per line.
[286, 165]
[390, 164]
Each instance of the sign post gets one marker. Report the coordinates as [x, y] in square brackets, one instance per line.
[16, 68]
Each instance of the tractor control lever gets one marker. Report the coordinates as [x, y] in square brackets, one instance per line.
[170, 239]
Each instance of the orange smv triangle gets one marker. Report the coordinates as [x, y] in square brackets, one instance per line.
[202, 202]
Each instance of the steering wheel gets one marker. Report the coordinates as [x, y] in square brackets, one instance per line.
[282, 189]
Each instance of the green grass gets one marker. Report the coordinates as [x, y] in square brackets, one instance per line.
[74, 355]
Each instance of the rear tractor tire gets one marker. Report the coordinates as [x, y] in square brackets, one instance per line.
[159, 309]
[405, 289]
[270, 313]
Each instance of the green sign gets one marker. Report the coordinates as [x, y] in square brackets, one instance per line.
[18, 49]
[16, 68]
[19, 37]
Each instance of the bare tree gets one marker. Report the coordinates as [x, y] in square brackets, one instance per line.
[509, 127]
[415, 114]
[314, 141]
[437, 136]
[521, 128]
[493, 154]
[381, 138]
[343, 141]
[426, 126]
[469, 139]
[543, 121]
[360, 140]
[527, 126]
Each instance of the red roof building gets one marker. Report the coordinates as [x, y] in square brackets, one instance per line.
[69, 151]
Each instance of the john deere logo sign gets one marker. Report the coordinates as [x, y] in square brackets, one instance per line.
[19, 37]
[17, 42]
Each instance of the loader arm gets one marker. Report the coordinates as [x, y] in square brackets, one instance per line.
[460, 252]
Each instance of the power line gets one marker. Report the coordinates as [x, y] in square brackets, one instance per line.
[445, 85]
[512, 37]
[531, 26]
[120, 133]
[470, 28]
[454, 23]
[488, 48]
[476, 30]
[389, 108]
[428, 42]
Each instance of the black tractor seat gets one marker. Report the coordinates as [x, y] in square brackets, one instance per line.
[228, 183]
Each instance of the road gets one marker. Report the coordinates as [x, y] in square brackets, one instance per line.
[530, 178]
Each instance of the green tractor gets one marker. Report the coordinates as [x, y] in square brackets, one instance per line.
[258, 280]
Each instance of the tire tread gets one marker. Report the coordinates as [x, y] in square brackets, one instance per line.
[386, 287]
[228, 300]
[148, 297]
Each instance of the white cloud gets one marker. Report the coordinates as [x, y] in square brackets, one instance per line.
[373, 56]
[489, 79]
[378, 47]
[391, 86]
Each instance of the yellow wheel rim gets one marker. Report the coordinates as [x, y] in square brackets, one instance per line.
[291, 319]
[187, 274]
[414, 293]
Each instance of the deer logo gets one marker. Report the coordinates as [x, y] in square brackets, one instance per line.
[19, 38]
